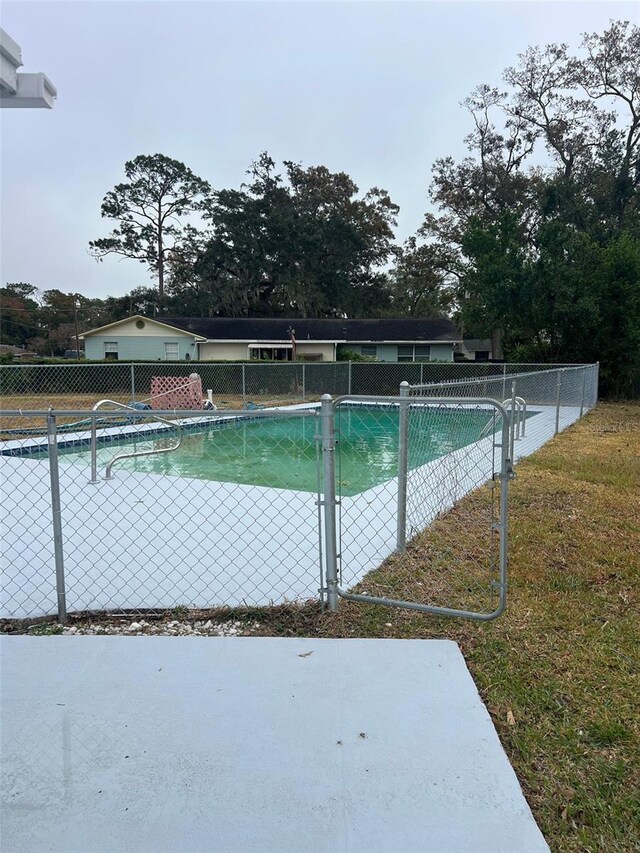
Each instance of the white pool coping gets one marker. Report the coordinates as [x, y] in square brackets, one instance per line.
[152, 541]
[252, 745]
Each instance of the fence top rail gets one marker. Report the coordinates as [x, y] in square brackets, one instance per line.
[497, 377]
[456, 365]
[430, 401]
[312, 409]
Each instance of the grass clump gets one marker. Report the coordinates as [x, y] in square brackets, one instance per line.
[45, 629]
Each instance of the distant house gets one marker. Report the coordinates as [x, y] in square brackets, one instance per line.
[476, 349]
[236, 339]
[16, 352]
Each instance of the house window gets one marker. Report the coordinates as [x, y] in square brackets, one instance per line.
[111, 350]
[417, 352]
[266, 353]
[171, 352]
[369, 351]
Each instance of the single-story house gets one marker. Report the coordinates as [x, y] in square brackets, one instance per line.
[237, 339]
[16, 352]
[476, 349]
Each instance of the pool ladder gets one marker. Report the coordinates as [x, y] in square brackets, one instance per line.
[518, 425]
[519, 420]
[112, 462]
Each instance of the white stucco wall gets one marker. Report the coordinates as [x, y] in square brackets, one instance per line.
[223, 351]
[327, 350]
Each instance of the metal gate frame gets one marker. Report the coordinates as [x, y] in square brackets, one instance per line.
[505, 474]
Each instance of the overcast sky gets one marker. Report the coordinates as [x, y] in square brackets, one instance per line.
[372, 89]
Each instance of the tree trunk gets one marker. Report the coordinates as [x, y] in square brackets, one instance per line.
[160, 260]
[496, 344]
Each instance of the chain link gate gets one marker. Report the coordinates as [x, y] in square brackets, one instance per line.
[399, 466]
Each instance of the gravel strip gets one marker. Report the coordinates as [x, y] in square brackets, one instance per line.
[174, 628]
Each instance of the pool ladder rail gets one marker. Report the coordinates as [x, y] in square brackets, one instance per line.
[94, 441]
[519, 421]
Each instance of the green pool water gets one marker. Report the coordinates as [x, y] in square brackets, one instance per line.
[281, 452]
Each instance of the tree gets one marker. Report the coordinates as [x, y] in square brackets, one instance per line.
[418, 281]
[150, 209]
[19, 315]
[304, 244]
[339, 243]
[495, 279]
[530, 243]
[141, 300]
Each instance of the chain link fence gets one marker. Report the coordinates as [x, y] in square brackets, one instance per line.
[204, 512]
[232, 386]
[138, 510]
[540, 403]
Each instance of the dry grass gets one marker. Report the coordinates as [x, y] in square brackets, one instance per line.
[65, 402]
[70, 402]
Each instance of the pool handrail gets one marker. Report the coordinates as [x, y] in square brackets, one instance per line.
[521, 414]
[94, 441]
[519, 419]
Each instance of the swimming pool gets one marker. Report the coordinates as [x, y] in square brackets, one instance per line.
[282, 453]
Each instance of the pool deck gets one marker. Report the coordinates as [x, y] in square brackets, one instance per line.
[111, 744]
[156, 541]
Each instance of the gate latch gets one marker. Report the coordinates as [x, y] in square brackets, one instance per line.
[511, 474]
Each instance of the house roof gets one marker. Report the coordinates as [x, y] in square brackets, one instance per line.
[477, 343]
[160, 323]
[439, 330]
[18, 352]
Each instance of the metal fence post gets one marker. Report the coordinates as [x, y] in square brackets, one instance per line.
[304, 383]
[94, 449]
[328, 465]
[244, 386]
[56, 514]
[403, 453]
[349, 391]
[504, 380]
[506, 474]
[513, 420]
[133, 384]
[584, 380]
[558, 387]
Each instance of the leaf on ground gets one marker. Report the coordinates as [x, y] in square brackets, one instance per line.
[511, 720]
[305, 655]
